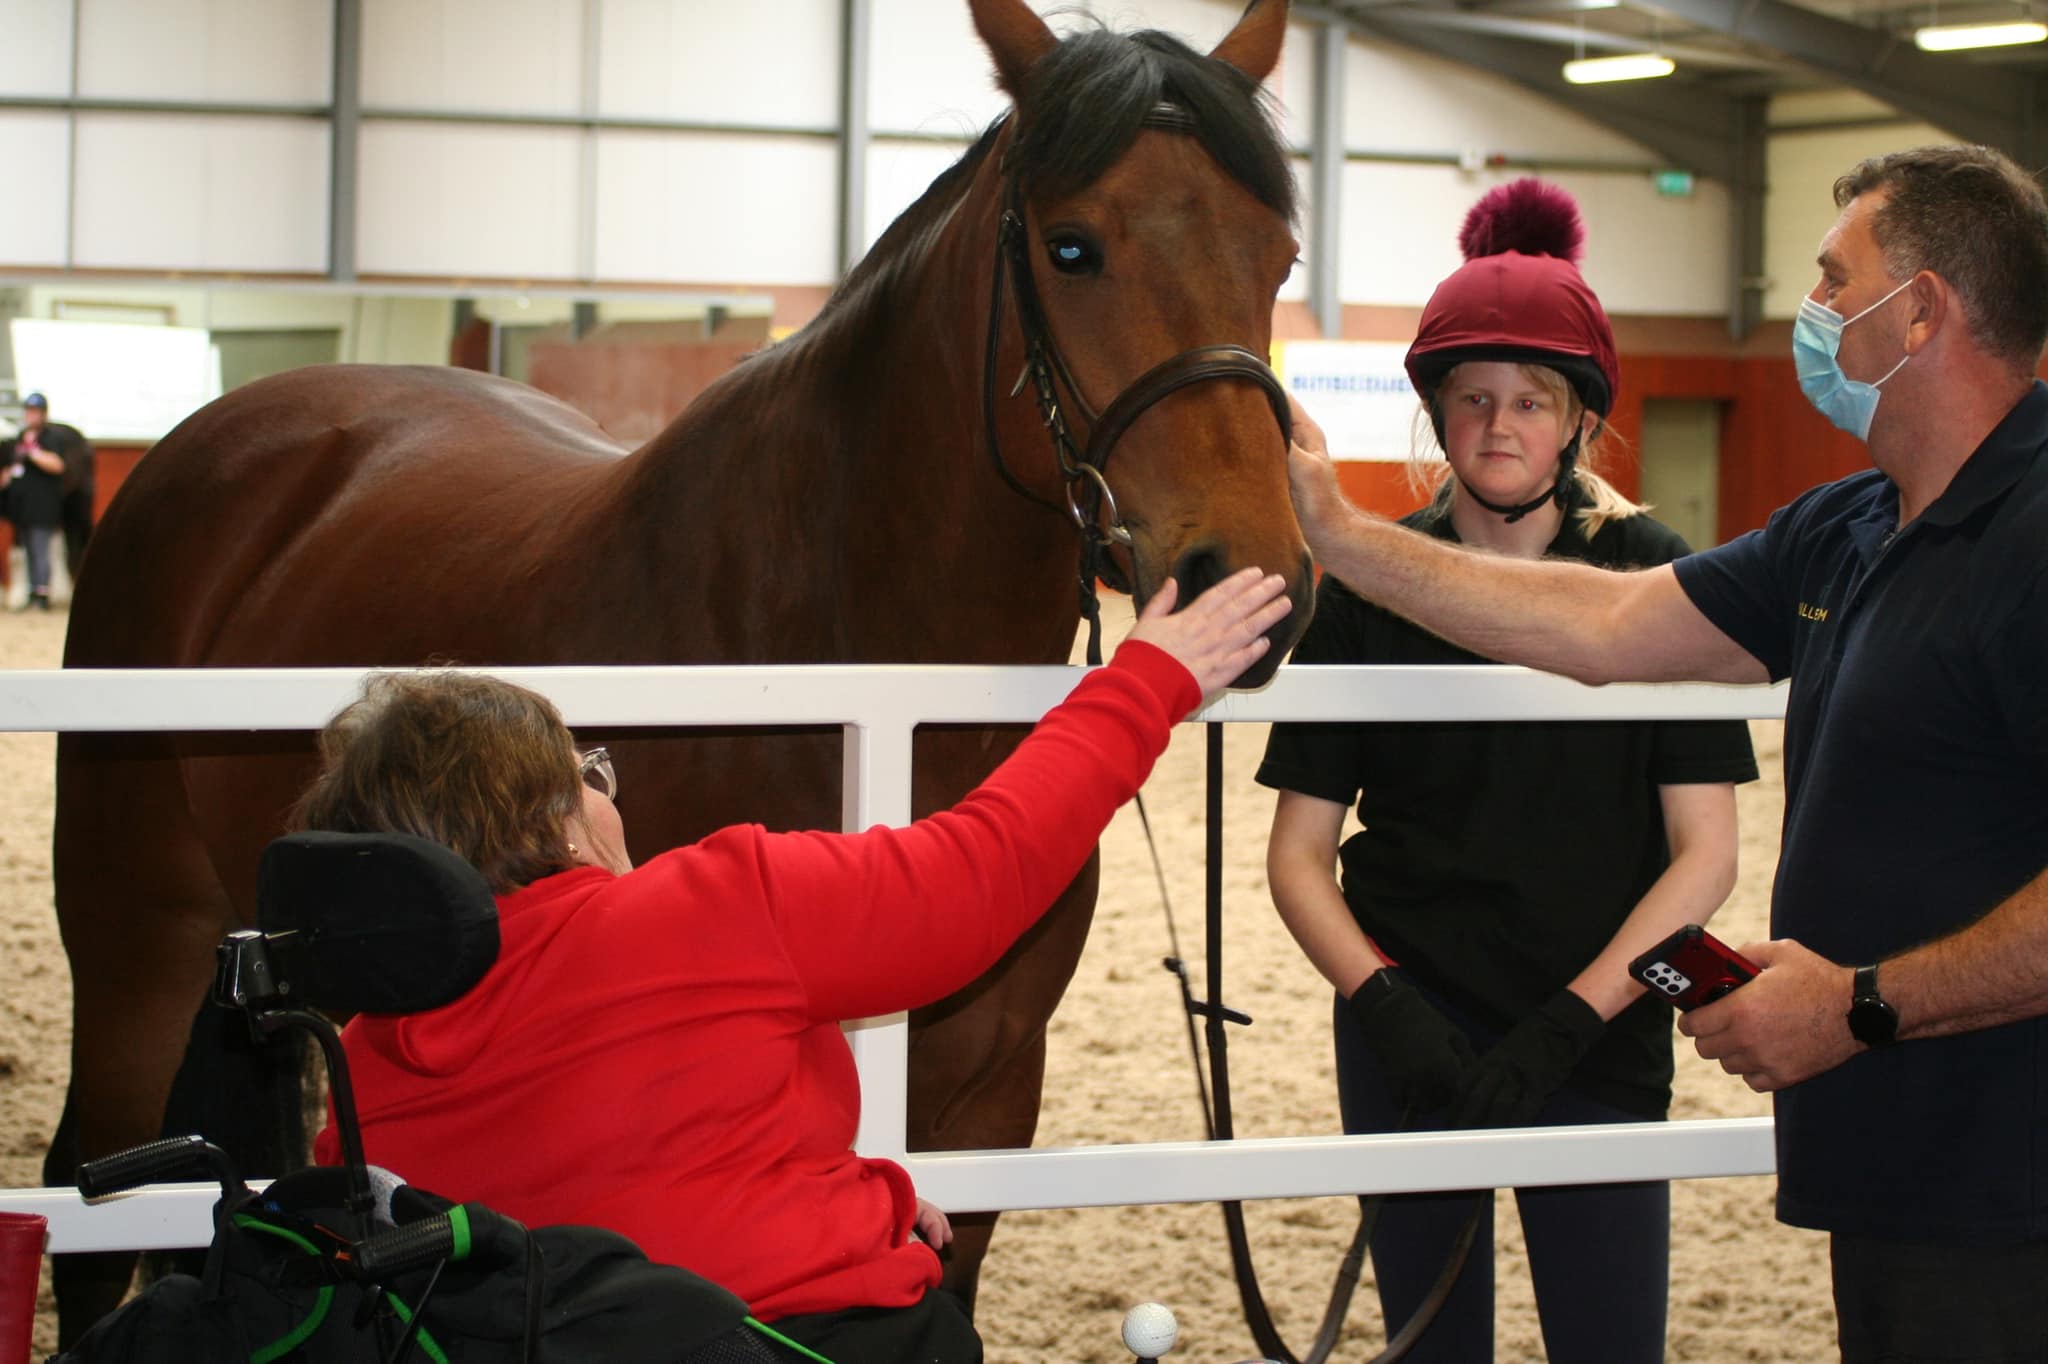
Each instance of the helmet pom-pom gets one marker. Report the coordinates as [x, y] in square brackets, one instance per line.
[1528, 216]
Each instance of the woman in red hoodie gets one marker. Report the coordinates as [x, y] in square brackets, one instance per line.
[657, 1050]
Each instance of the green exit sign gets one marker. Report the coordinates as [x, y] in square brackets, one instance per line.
[1676, 183]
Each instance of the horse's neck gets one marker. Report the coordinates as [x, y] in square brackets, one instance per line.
[857, 513]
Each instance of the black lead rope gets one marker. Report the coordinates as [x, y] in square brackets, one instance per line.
[1217, 1121]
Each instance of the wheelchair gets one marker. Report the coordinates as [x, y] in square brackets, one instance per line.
[346, 1264]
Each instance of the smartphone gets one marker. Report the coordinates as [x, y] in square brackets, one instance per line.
[1692, 967]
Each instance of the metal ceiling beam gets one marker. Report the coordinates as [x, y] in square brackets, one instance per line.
[1572, 36]
[1975, 102]
[1695, 129]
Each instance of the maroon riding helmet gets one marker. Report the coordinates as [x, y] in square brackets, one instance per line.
[1519, 298]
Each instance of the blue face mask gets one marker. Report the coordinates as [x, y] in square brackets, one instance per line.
[1816, 337]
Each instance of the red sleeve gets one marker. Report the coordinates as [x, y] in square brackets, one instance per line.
[893, 919]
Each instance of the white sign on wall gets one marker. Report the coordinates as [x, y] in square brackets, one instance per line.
[1358, 392]
[116, 381]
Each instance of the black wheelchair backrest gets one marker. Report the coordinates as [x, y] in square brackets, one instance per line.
[375, 923]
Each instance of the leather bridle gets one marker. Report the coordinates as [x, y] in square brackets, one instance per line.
[1090, 503]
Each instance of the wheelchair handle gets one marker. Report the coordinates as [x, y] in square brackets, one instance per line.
[467, 1233]
[155, 1162]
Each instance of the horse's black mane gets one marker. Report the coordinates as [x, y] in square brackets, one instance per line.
[1088, 98]
[1087, 101]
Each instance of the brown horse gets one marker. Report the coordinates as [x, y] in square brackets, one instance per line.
[867, 491]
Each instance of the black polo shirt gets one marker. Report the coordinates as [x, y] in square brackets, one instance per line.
[1916, 799]
[1498, 858]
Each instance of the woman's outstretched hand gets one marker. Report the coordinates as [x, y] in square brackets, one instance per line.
[1222, 632]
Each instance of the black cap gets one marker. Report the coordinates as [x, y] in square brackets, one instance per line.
[36, 400]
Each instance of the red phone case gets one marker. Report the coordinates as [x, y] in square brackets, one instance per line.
[1692, 967]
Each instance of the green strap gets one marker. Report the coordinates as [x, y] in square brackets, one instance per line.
[425, 1338]
[773, 1334]
[458, 1224]
[324, 1299]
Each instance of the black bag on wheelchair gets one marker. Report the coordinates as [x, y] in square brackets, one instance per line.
[282, 1284]
[346, 1264]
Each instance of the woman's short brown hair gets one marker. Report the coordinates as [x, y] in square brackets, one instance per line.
[480, 765]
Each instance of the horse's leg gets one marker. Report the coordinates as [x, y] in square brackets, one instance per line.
[141, 911]
[977, 1059]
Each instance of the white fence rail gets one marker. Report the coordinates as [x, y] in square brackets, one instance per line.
[878, 710]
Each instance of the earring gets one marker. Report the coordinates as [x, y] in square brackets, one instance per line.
[574, 851]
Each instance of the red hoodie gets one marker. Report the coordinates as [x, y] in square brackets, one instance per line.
[660, 1053]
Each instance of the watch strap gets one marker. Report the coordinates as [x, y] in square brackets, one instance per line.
[1872, 1019]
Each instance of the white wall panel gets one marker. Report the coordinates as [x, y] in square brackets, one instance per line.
[38, 47]
[1400, 224]
[475, 56]
[191, 192]
[770, 61]
[1644, 254]
[37, 147]
[1400, 100]
[898, 175]
[1651, 253]
[487, 201]
[1799, 208]
[1293, 86]
[929, 72]
[254, 51]
[698, 207]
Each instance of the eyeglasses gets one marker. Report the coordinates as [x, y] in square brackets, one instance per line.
[596, 772]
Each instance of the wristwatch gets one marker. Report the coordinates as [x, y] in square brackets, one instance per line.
[1872, 1021]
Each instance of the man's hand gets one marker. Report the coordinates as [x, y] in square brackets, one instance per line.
[1312, 476]
[1789, 1024]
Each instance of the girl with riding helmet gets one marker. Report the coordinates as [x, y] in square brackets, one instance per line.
[1478, 927]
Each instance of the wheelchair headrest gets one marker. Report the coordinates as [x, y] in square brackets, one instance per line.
[375, 923]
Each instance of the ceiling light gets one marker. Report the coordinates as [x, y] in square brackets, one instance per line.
[1630, 66]
[1956, 37]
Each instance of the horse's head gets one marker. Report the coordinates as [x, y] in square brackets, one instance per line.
[1148, 208]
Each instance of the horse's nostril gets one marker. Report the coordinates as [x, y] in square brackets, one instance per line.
[1197, 572]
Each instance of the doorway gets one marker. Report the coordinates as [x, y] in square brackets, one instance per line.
[1681, 462]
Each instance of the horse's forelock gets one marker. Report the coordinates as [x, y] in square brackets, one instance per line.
[1088, 99]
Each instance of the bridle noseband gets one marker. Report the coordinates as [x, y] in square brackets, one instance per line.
[1088, 494]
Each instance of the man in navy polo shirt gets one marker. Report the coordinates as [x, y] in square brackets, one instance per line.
[1902, 1015]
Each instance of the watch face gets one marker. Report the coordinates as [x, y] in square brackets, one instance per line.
[1873, 1022]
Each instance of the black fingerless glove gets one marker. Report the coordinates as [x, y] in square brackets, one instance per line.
[1422, 1054]
[1512, 1082]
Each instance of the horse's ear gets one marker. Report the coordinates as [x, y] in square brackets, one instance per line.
[1015, 36]
[1253, 47]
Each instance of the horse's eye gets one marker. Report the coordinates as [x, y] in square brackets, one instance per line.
[1074, 255]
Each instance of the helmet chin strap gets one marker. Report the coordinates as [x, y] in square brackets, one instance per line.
[1559, 490]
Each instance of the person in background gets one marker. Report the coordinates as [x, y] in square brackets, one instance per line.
[710, 983]
[1477, 930]
[39, 470]
[79, 484]
[1901, 1017]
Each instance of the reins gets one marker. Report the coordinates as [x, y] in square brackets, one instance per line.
[1218, 1122]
